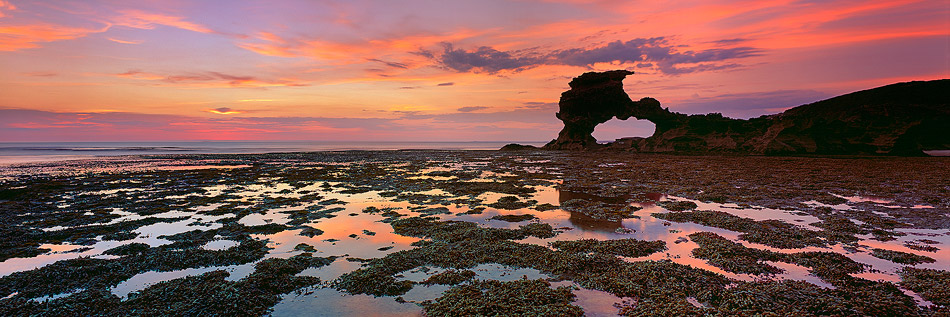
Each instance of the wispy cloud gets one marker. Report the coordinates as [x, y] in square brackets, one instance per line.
[31, 32]
[390, 64]
[124, 41]
[6, 6]
[149, 20]
[18, 37]
[472, 108]
[352, 51]
[41, 74]
[751, 104]
[211, 79]
[224, 110]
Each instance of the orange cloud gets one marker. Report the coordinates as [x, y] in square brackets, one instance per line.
[6, 6]
[273, 45]
[344, 53]
[789, 24]
[224, 110]
[124, 41]
[65, 121]
[137, 74]
[19, 37]
[40, 74]
[801, 25]
[30, 35]
[211, 80]
[771, 24]
[144, 20]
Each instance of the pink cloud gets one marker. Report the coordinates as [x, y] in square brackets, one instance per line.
[353, 51]
[211, 80]
[32, 125]
[18, 37]
[147, 20]
[124, 41]
[31, 30]
[224, 110]
[41, 74]
[6, 6]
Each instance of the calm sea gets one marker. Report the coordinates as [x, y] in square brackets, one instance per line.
[57, 151]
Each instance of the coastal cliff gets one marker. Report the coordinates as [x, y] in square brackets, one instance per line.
[900, 119]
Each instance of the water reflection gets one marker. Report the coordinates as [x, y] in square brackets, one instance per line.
[582, 221]
[563, 196]
[595, 303]
[330, 302]
[143, 280]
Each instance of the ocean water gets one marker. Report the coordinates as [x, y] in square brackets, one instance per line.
[23, 152]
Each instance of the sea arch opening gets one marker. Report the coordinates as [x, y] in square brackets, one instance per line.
[615, 129]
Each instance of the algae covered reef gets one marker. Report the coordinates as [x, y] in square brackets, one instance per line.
[451, 233]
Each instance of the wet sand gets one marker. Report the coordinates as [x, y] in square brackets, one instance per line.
[456, 232]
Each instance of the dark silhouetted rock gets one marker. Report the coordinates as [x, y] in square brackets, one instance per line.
[594, 98]
[899, 119]
[518, 147]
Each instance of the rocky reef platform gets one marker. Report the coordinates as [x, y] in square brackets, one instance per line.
[488, 233]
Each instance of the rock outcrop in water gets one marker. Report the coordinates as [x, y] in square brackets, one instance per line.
[899, 119]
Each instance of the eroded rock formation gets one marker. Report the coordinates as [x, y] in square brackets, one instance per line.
[595, 98]
[898, 119]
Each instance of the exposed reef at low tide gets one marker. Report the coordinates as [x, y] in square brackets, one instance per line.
[442, 232]
[902, 119]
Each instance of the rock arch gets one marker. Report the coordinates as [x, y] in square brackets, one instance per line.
[898, 119]
[595, 98]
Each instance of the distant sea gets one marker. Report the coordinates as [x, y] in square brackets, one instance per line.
[23, 152]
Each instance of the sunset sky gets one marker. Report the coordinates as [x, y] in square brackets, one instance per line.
[432, 70]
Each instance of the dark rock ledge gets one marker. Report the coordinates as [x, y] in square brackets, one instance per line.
[900, 119]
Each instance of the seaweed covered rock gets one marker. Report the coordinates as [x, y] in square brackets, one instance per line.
[932, 285]
[901, 257]
[515, 298]
[774, 233]
[623, 247]
[450, 277]
[205, 294]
